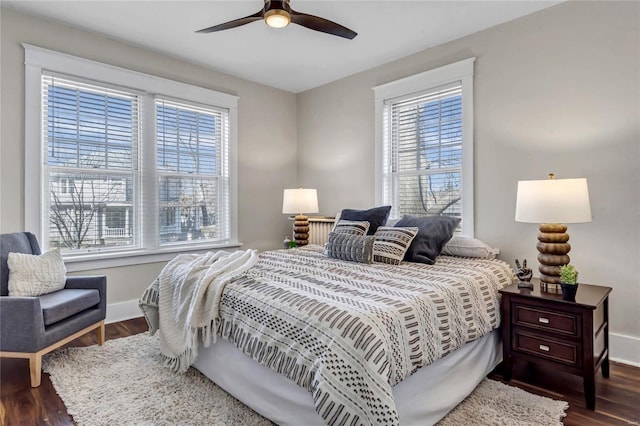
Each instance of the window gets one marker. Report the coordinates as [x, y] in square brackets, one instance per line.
[90, 137]
[129, 164]
[193, 171]
[424, 144]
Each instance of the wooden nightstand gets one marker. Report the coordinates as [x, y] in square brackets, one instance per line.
[541, 328]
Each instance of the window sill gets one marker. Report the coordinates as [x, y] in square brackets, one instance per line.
[87, 262]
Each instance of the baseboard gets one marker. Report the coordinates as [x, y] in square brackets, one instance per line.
[624, 349]
[123, 311]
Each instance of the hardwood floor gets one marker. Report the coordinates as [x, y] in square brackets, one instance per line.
[617, 403]
[20, 404]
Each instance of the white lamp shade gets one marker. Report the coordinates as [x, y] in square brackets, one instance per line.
[553, 201]
[301, 200]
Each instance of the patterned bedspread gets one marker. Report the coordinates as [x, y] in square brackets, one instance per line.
[348, 332]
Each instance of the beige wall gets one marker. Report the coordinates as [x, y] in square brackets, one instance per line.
[266, 134]
[555, 91]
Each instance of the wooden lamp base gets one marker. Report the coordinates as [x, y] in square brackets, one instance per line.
[554, 249]
[301, 230]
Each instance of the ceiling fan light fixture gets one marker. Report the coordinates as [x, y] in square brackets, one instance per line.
[278, 14]
[277, 18]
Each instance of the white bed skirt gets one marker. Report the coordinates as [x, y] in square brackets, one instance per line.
[422, 399]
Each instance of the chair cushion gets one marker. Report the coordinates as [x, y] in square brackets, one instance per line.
[62, 304]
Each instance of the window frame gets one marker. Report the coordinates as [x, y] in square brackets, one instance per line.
[37, 60]
[461, 71]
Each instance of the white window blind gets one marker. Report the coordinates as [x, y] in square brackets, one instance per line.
[90, 142]
[423, 152]
[193, 172]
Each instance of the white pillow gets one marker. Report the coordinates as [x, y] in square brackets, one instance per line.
[35, 275]
[469, 247]
[336, 220]
[392, 222]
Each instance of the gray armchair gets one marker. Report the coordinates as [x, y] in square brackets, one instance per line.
[33, 326]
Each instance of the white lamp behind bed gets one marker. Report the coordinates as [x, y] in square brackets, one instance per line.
[300, 201]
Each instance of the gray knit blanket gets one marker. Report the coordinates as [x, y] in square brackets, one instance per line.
[348, 332]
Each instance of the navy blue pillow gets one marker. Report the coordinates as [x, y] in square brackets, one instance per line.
[433, 234]
[376, 216]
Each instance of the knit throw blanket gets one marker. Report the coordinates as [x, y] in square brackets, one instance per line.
[183, 302]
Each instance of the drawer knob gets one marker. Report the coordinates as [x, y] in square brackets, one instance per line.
[544, 348]
[543, 320]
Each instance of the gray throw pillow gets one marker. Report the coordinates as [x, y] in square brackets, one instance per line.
[376, 216]
[433, 234]
[349, 247]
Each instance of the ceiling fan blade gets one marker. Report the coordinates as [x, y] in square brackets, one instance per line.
[322, 25]
[232, 24]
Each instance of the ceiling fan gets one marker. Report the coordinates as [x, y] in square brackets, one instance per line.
[278, 14]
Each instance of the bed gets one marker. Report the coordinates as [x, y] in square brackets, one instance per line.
[379, 344]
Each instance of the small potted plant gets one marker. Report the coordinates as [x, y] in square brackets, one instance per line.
[569, 282]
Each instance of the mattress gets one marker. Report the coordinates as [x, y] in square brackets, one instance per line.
[421, 400]
[348, 333]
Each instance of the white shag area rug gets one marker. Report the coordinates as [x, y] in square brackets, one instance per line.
[124, 383]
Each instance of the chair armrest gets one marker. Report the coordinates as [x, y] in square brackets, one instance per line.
[21, 323]
[98, 282]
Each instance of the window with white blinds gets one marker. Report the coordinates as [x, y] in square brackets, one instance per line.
[425, 144]
[193, 172]
[425, 150]
[90, 142]
[102, 197]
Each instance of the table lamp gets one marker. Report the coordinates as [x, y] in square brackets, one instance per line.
[552, 203]
[300, 201]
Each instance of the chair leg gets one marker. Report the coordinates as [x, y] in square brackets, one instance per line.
[35, 369]
[101, 333]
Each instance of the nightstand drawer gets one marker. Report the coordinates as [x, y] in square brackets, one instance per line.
[564, 352]
[558, 322]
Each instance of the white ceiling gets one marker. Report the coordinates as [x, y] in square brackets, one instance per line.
[293, 58]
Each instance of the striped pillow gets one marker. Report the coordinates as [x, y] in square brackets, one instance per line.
[352, 227]
[392, 243]
[353, 248]
[376, 216]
